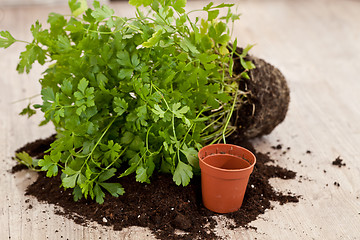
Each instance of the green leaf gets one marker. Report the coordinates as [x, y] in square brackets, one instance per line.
[47, 94]
[220, 28]
[115, 189]
[135, 60]
[125, 73]
[222, 5]
[66, 87]
[69, 171]
[70, 181]
[179, 5]
[153, 40]
[99, 194]
[111, 150]
[207, 7]
[28, 111]
[57, 24]
[206, 42]
[205, 58]
[59, 114]
[191, 155]
[150, 166]
[52, 170]
[48, 165]
[249, 65]
[77, 7]
[77, 193]
[179, 113]
[26, 159]
[102, 80]
[188, 46]
[138, 3]
[127, 138]
[244, 75]
[80, 110]
[109, 173]
[141, 175]
[135, 161]
[223, 50]
[224, 39]
[32, 53]
[6, 39]
[64, 44]
[158, 111]
[120, 106]
[213, 14]
[83, 85]
[81, 179]
[141, 112]
[183, 173]
[102, 13]
[123, 58]
[246, 50]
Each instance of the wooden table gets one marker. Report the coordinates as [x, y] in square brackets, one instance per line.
[316, 44]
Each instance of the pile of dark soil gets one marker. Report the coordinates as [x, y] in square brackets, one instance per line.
[162, 206]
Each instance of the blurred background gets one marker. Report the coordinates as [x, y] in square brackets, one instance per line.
[30, 2]
[42, 2]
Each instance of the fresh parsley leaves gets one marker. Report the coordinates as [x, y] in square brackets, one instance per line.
[143, 93]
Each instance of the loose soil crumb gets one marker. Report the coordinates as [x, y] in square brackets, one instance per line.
[162, 206]
[278, 147]
[339, 162]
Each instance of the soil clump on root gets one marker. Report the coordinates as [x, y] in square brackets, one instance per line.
[267, 98]
[162, 206]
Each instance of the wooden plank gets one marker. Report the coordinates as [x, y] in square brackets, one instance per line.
[315, 45]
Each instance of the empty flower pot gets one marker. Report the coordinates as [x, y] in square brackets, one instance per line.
[225, 172]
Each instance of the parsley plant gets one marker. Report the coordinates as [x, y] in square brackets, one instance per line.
[132, 95]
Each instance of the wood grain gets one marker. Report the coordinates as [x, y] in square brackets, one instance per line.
[316, 46]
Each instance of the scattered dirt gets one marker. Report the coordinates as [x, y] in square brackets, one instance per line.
[278, 147]
[339, 162]
[336, 184]
[162, 206]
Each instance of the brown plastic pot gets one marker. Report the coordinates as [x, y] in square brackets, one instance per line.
[225, 172]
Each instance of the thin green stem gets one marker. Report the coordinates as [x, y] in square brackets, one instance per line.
[147, 139]
[97, 143]
[22, 41]
[28, 98]
[107, 167]
[230, 114]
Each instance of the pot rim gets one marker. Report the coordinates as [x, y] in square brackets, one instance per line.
[229, 170]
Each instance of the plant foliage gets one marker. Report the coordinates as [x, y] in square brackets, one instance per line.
[131, 95]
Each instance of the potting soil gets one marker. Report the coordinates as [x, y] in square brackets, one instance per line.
[162, 206]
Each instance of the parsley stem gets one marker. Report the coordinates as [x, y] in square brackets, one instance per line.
[97, 143]
[28, 98]
[104, 169]
[230, 114]
[23, 41]
[147, 139]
